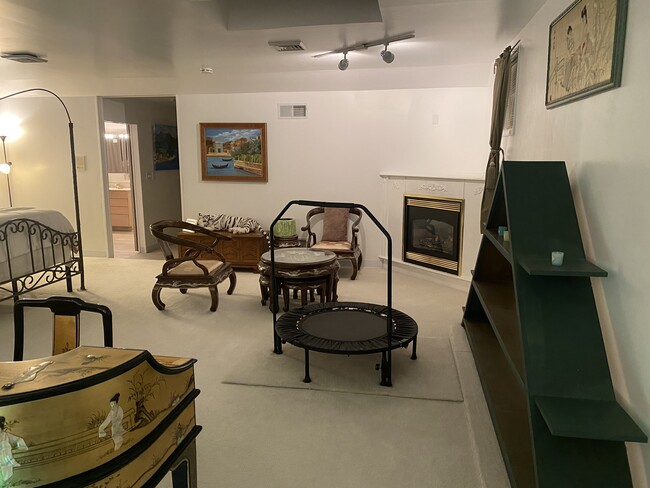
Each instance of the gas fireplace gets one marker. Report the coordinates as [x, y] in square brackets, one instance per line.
[433, 229]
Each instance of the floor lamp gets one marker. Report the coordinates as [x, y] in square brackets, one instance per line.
[74, 171]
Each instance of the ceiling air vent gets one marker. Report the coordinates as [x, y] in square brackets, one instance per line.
[290, 111]
[23, 57]
[287, 46]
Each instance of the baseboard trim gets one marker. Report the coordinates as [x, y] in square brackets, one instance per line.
[456, 282]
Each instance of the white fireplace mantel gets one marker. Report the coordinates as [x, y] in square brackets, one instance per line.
[467, 177]
[469, 188]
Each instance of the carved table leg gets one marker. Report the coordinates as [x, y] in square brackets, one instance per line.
[155, 296]
[214, 292]
[354, 268]
[233, 283]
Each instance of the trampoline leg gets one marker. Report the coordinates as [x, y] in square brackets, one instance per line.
[307, 378]
[385, 371]
[415, 347]
[277, 343]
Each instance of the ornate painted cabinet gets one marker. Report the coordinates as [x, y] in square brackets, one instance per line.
[97, 417]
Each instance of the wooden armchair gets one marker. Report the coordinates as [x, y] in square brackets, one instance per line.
[200, 265]
[338, 236]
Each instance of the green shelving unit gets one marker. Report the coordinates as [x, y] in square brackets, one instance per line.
[536, 340]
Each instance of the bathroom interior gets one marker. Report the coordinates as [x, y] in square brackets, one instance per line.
[120, 185]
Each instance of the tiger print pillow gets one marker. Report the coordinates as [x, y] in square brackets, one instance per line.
[236, 225]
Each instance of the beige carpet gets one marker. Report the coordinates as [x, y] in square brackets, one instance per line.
[432, 376]
[301, 436]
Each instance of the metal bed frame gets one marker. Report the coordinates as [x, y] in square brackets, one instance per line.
[40, 273]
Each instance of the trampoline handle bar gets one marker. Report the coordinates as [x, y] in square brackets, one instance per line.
[313, 203]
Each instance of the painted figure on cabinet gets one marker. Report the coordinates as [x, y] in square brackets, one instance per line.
[115, 417]
[7, 443]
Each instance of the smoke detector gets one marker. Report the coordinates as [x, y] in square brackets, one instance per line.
[287, 46]
[23, 57]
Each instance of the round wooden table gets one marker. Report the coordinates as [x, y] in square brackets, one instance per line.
[300, 270]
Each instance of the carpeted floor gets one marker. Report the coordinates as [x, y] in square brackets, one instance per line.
[263, 427]
[433, 376]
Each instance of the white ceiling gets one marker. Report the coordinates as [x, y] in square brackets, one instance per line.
[157, 47]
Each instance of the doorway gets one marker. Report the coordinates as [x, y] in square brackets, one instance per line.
[121, 188]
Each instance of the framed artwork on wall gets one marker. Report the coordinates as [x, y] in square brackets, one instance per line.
[165, 147]
[585, 50]
[233, 152]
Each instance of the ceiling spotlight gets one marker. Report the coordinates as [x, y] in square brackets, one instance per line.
[386, 55]
[344, 63]
[206, 70]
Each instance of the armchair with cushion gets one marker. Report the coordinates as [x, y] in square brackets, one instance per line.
[200, 265]
[337, 236]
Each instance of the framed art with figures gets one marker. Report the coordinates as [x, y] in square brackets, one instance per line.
[585, 50]
[233, 152]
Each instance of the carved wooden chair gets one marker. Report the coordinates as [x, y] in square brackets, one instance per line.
[337, 235]
[67, 311]
[200, 266]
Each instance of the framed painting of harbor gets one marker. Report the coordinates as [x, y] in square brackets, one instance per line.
[585, 50]
[233, 152]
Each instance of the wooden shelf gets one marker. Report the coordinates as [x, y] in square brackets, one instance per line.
[536, 340]
[498, 300]
[589, 419]
[541, 266]
[504, 247]
[506, 402]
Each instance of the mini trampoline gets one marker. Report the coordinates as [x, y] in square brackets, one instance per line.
[346, 328]
[350, 328]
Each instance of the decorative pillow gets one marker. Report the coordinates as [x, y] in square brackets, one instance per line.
[335, 224]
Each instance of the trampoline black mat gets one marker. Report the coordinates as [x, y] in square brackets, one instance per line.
[345, 328]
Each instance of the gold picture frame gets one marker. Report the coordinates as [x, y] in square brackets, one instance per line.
[233, 152]
[585, 50]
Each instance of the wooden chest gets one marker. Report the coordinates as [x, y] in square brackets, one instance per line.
[242, 251]
[96, 417]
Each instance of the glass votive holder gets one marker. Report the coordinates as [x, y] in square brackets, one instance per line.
[506, 236]
[557, 258]
[501, 229]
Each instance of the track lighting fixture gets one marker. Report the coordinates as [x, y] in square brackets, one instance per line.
[386, 55]
[344, 63]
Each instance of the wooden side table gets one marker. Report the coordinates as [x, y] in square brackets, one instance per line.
[299, 270]
[242, 251]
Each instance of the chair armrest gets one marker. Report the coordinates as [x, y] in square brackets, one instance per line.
[355, 226]
[311, 236]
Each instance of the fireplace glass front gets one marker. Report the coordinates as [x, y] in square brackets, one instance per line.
[432, 232]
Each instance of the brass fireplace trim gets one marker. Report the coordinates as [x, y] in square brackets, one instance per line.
[442, 203]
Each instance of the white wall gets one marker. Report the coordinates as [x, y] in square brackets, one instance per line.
[605, 141]
[337, 153]
[41, 175]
